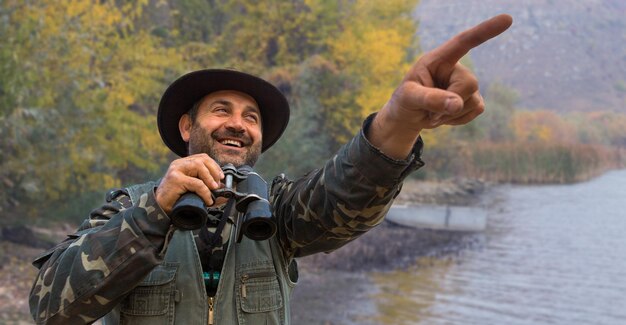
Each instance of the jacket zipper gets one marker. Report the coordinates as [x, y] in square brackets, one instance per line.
[211, 301]
[247, 277]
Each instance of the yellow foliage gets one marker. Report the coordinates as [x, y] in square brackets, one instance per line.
[439, 137]
[372, 48]
[541, 126]
[108, 181]
[84, 64]
[94, 70]
[372, 100]
[544, 133]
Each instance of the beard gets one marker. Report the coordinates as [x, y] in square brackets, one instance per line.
[202, 142]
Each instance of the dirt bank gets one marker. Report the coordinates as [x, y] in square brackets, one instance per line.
[459, 191]
[389, 246]
[15, 283]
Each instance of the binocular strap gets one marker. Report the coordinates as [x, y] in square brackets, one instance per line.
[211, 240]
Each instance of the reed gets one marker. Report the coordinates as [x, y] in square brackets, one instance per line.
[537, 162]
[526, 163]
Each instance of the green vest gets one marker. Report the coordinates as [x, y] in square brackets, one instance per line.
[254, 287]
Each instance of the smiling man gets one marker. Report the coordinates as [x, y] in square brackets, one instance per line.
[129, 264]
[239, 142]
[222, 127]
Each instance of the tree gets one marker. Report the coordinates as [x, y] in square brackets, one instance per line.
[308, 142]
[82, 77]
[495, 122]
[542, 126]
[80, 82]
[375, 49]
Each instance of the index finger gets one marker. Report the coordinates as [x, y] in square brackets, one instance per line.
[208, 170]
[455, 48]
[213, 166]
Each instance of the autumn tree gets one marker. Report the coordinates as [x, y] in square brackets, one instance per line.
[541, 126]
[308, 141]
[80, 101]
[374, 48]
[81, 81]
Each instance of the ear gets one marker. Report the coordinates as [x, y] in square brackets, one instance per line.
[184, 126]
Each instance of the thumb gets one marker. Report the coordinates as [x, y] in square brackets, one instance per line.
[435, 100]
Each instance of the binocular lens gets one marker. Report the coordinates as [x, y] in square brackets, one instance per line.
[257, 222]
[259, 228]
[189, 212]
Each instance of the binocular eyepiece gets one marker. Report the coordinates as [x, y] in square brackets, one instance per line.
[251, 199]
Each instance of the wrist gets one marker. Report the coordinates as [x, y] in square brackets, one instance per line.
[161, 202]
[392, 137]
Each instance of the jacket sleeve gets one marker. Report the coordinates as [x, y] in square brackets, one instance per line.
[351, 194]
[84, 277]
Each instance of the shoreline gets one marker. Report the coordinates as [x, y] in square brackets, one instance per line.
[339, 285]
[390, 246]
[336, 288]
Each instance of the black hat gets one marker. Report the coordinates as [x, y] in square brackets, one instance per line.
[183, 93]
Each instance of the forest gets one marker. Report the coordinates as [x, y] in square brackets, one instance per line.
[80, 82]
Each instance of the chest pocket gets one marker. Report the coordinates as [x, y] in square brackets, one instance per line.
[153, 300]
[259, 294]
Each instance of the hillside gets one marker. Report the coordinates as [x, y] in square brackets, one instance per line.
[559, 54]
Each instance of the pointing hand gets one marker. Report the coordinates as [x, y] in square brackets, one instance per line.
[437, 90]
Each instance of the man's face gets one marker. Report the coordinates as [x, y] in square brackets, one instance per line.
[227, 127]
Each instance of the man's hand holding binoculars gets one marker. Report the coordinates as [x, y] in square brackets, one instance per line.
[197, 173]
[191, 185]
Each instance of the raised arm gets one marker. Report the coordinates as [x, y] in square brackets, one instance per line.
[350, 195]
[353, 192]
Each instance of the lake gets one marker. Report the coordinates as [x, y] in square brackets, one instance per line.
[550, 255]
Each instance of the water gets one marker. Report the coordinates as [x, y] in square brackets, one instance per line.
[552, 255]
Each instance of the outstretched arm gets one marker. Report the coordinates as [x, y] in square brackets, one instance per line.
[436, 91]
[352, 193]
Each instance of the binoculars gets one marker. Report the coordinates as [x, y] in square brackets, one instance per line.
[250, 195]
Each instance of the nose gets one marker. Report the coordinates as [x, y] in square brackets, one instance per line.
[235, 123]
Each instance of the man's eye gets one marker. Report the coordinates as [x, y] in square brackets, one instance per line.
[252, 118]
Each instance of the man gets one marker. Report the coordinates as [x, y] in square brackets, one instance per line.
[129, 264]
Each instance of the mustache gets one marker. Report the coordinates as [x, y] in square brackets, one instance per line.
[241, 136]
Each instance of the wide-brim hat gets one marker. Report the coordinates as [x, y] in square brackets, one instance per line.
[183, 93]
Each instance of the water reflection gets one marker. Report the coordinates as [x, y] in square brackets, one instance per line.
[553, 255]
[405, 297]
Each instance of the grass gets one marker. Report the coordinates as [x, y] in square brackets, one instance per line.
[526, 163]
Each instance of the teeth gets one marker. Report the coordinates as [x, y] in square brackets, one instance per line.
[232, 142]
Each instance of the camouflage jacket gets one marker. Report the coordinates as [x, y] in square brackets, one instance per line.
[87, 275]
